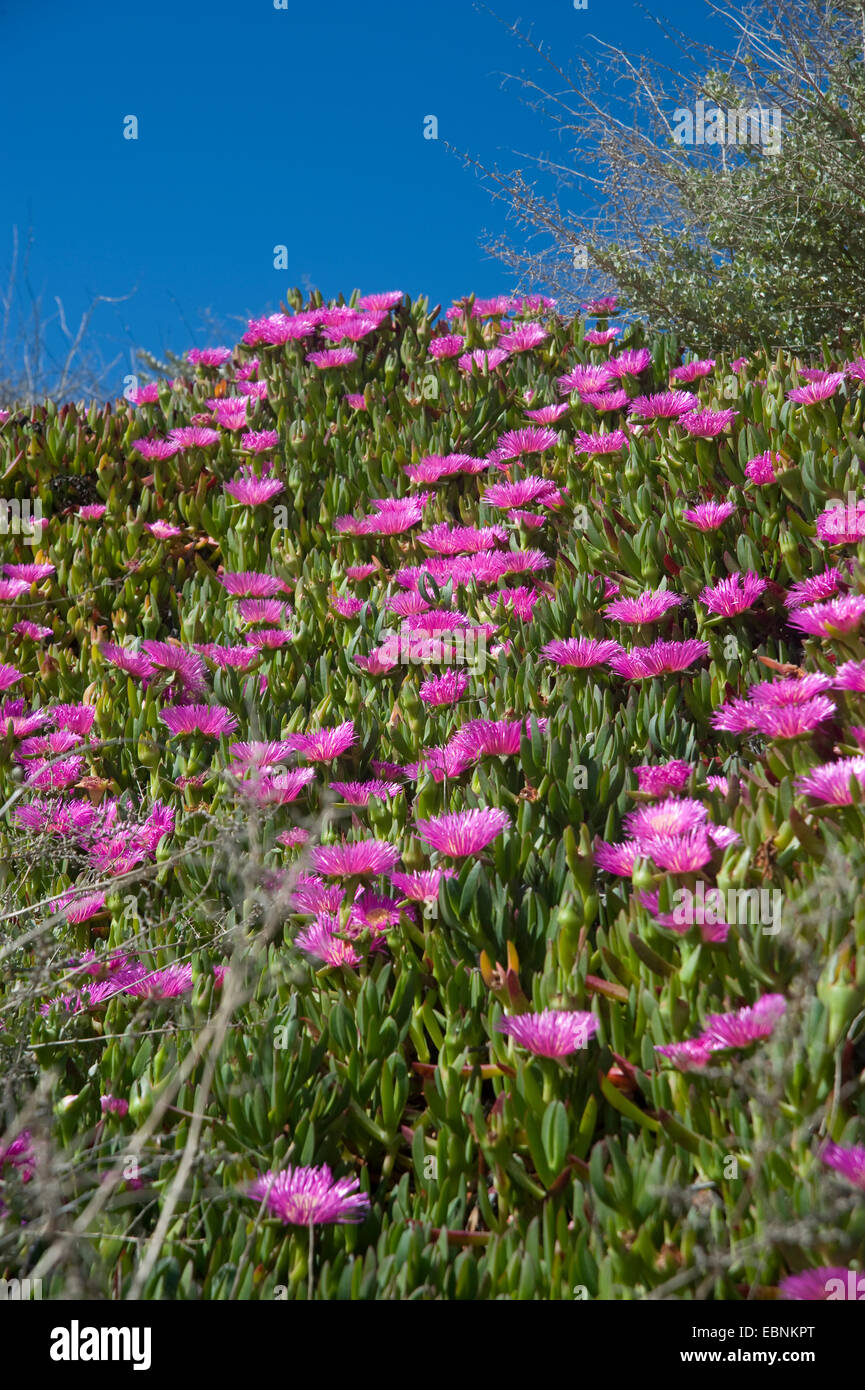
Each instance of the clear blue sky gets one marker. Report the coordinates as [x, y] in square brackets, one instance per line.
[259, 126]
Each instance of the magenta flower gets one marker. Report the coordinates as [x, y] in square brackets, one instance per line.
[185, 665]
[449, 345]
[601, 308]
[482, 359]
[523, 338]
[325, 745]
[733, 595]
[842, 525]
[790, 692]
[359, 793]
[211, 720]
[134, 663]
[746, 1025]
[380, 301]
[433, 467]
[445, 689]
[529, 489]
[252, 491]
[346, 605]
[356, 573]
[517, 443]
[261, 610]
[32, 630]
[660, 779]
[490, 737]
[812, 590]
[631, 362]
[354, 858]
[422, 886]
[645, 608]
[814, 1285]
[322, 940]
[817, 391]
[679, 854]
[692, 371]
[674, 816]
[664, 405]
[520, 601]
[605, 401]
[9, 675]
[208, 357]
[850, 676]
[154, 449]
[552, 1033]
[227, 658]
[293, 838]
[461, 540]
[708, 516]
[831, 782]
[310, 1196]
[462, 833]
[81, 908]
[835, 615]
[251, 584]
[193, 437]
[332, 357]
[78, 718]
[598, 337]
[95, 511]
[792, 721]
[259, 441]
[604, 443]
[641, 663]
[280, 790]
[849, 1162]
[586, 378]
[260, 755]
[580, 652]
[706, 424]
[761, 469]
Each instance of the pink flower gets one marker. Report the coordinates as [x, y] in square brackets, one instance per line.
[445, 689]
[309, 1196]
[733, 595]
[849, 1162]
[645, 608]
[94, 511]
[153, 449]
[436, 466]
[690, 1055]
[674, 816]
[679, 854]
[252, 491]
[523, 338]
[326, 744]
[261, 610]
[842, 525]
[597, 337]
[792, 721]
[641, 663]
[516, 443]
[280, 790]
[667, 777]
[9, 675]
[422, 886]
[812, 590]
[259, 441]
[831, 782]
[601, 308]
[813, 1285]
[78, 718]
[482, 359]
[746, 1025]
[449, 345]
[208, 357]
[631, 362]
[359, 793]
[610, 443]
[817, 391]
[761, 469]
[790, 692]
[580, 652]
[664, 405]
[321, 939]
[836, 615]
[186, 666]
[227, 658]
[586, 378]
[32, 630]
[252, 584]
[706, 424]
[193, 437]
[547, 414]
[552, 1033]
[346, 605]
[381, 300]
[692, 371]
[708, 516]
[332, 357]
[463, 833]
[212, 720]
[605, 402]
[528, 489]
[354, 858]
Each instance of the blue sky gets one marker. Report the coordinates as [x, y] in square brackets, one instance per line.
[259, 127]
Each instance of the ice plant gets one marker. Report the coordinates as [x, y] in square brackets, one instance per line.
[708, 516]
[733, 595]
[641, 663]
[211, 720]
[645, 608]
[354, 858]
[850, 1163]
[462, 833]
[552, 1033]
[836, 615]
[309, 1196]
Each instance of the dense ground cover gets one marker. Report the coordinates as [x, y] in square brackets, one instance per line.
[434, 749]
